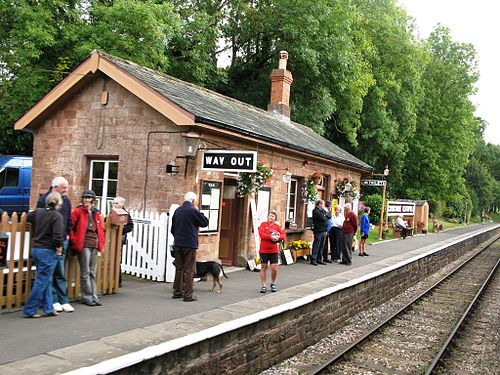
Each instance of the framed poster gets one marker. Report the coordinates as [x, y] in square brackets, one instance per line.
[210, 204]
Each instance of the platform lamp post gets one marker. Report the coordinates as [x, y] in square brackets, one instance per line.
[385, 174]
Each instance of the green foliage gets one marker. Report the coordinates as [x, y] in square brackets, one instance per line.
[374, 201]
[361, 77]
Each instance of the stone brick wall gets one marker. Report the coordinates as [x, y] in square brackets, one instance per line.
[253, 348]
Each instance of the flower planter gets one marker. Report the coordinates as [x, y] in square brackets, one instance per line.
[299, 252]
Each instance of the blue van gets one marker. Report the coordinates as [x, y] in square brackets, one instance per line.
[15, 183]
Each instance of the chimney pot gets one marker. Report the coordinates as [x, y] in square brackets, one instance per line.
[281, 80]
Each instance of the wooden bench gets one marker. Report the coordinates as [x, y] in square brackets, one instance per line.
[397, 232]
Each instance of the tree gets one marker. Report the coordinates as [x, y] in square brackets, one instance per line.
[444, 137]
[324, 40]
[397, 61]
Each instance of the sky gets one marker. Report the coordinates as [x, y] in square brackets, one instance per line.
[476, 22]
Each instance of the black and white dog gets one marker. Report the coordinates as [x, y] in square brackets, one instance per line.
[203, 269]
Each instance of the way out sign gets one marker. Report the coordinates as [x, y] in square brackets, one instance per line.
[229, 161]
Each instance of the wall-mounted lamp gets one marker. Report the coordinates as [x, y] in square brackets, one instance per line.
[192, 144]
[386, 170]
[287, 176]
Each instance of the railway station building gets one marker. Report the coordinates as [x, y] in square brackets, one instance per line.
[122, 129]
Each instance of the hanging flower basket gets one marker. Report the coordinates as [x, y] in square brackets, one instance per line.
[347, 188]
[310, 189]
[251, 183]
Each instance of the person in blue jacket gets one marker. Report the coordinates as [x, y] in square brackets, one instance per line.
[186, 221]
[364, 229]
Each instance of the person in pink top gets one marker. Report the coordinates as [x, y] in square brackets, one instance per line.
[270, 234]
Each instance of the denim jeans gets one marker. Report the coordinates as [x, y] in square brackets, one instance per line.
[318, 245]
[88, 274]
[59, 282]
[41, 292]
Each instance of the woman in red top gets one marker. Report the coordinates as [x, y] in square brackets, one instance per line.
[87, 239]
[270, 234]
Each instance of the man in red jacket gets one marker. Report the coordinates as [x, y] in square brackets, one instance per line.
[349, 230]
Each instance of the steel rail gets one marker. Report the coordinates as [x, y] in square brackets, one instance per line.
[467, 312]
[365, 337]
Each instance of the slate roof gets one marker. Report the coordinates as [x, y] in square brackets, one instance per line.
[217, 110]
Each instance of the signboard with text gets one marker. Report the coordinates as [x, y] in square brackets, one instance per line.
[229, 161]
[395, 208]
[373, 182]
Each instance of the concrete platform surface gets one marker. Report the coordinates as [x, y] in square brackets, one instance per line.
[143, 314]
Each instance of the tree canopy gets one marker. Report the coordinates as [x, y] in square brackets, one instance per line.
[362, 78]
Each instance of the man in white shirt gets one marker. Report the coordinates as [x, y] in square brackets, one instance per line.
[336, 235]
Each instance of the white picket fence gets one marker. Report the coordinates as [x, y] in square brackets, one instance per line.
[146, 252]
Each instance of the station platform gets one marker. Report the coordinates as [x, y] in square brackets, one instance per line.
[143, 321]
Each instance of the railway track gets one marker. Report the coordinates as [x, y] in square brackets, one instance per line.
[414, 339]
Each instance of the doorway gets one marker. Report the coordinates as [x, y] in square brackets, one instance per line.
[230, 224]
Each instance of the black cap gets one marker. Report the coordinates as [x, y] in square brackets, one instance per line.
[89, 194]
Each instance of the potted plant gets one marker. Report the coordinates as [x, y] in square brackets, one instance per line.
[299, 248]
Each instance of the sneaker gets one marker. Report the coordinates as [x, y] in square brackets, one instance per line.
[314, 263]
[177, 296]
[322, 263]
[57, 307]
[274, 288]
[263, 289]
[89, 303]
[67, 307]
[97, 303]
[361, 254]
[190, 299]
[366, 254]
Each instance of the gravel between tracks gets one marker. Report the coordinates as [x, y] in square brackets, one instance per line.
[318, 353]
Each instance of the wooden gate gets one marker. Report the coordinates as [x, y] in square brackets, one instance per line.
[145, 253]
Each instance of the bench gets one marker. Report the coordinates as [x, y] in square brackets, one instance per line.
[397, 232]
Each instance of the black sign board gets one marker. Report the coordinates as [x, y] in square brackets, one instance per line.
[4, 247]
[373, 182]
[229, 161]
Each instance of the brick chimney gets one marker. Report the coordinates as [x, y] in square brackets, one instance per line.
[281, 79]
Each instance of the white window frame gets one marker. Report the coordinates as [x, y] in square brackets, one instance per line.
[292, 206]
[103, 202]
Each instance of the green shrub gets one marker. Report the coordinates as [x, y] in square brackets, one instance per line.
[373, 201]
